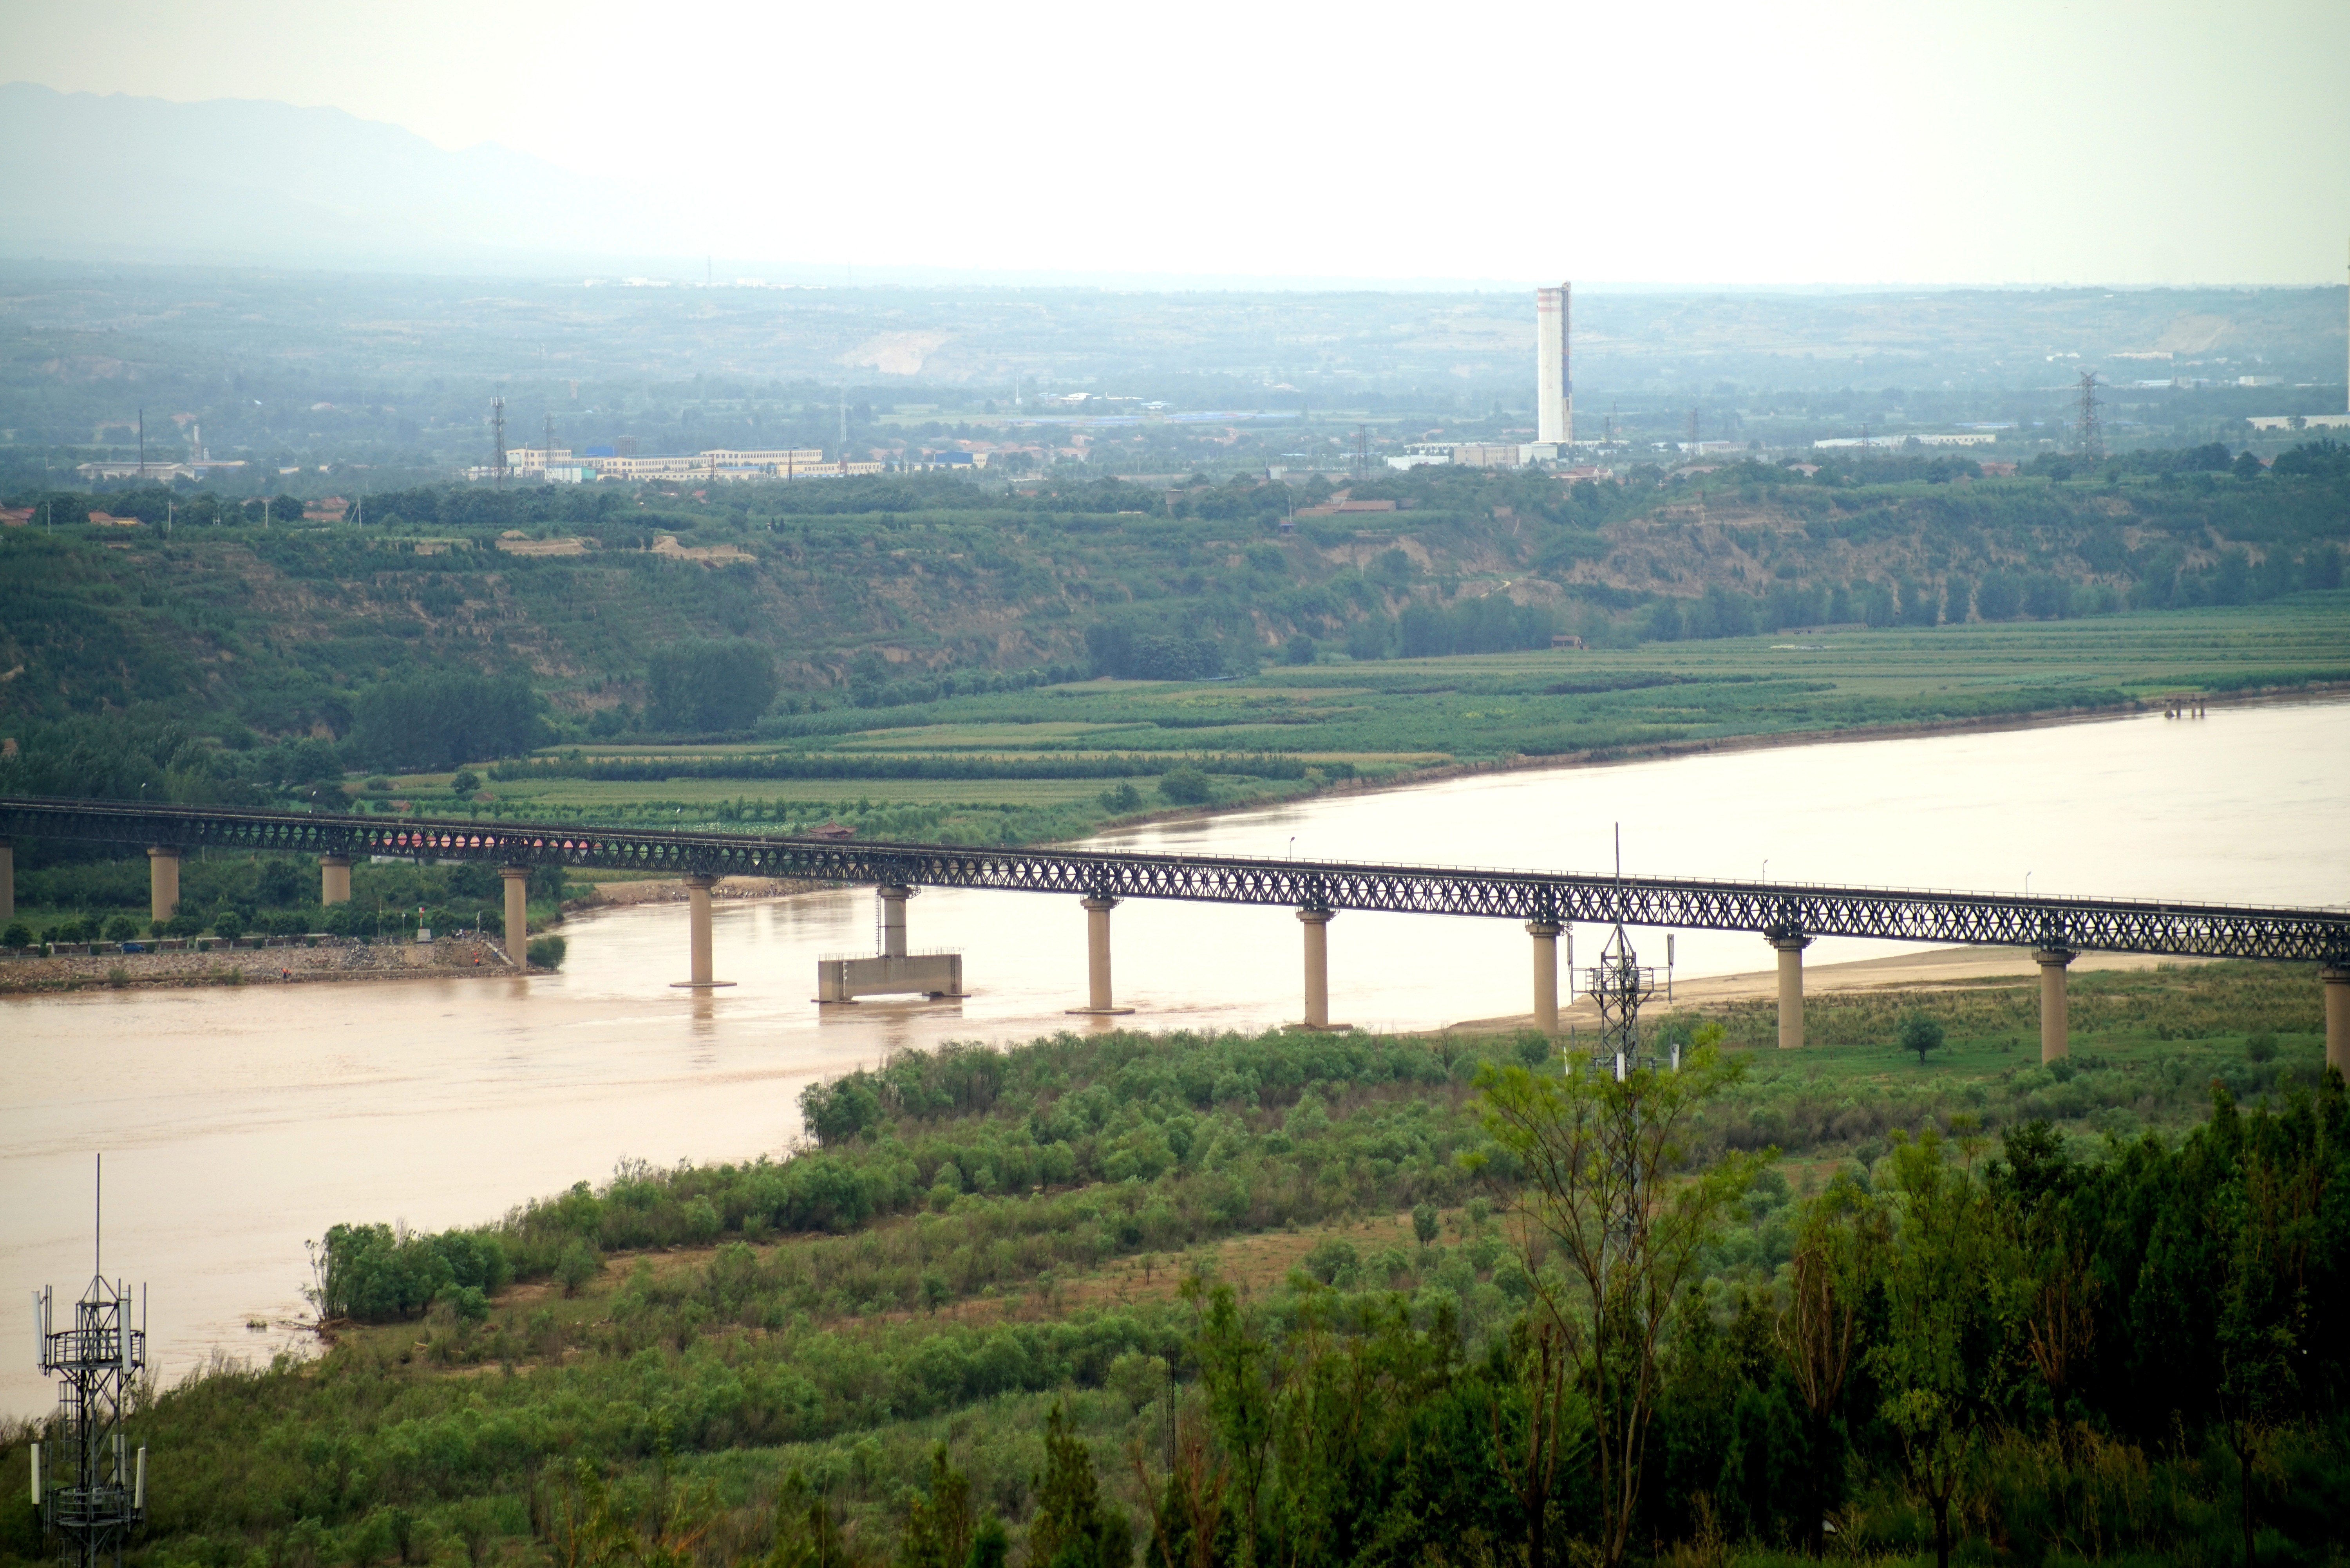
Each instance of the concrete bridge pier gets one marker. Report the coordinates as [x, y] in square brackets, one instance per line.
[893, 918]
[517, 881]
[2051, 961]
[163, 882]
[697, 917]
[334, 880]
[1098, 1003]
[1546, 936]
[1791, 946]
[2337, 976]
[1317, 967]
[7, 879]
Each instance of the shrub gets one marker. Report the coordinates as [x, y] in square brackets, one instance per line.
[2261, 1046]
[18, 935]
[228, 923]
[121, 929]
[1185, 785]
[577, 1265]
[546, 953]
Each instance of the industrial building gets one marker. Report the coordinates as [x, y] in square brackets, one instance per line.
[1555, 367]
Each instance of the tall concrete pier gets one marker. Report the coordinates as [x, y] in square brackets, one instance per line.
[1546, 936]
[2051, 962]
[162, 883]
[1791, 947]
[1098, 1000]
[2337, 978]
[334, 880]
[517, 881]
[697, 935]
[1317, 967]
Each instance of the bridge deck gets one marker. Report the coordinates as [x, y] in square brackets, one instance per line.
[1777, 909]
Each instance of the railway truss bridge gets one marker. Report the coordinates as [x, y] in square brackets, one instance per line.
[1789, 916]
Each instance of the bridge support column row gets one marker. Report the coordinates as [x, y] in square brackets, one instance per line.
[7, 879]
[1546, 936]
[517, 891]
[162, 883]
[2051, 962]
[893, 920]
[334, 880]
[2337, 976]
[1098, 1001]
[1317, 967]
[1791, 989]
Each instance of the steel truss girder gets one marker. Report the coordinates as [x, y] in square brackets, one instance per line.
[1778, 908]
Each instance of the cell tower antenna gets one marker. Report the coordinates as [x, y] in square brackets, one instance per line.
[498, 442]
[89, 1485]
[2093, 438]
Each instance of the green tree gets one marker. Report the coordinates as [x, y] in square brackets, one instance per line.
[1839, 1260]
[1921, 1035]
[439, 720]
[1615, 1192]
[711, 685]
[1935, 1362]
[1072, 1527]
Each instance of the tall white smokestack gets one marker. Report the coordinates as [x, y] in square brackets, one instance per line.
[1554, 392]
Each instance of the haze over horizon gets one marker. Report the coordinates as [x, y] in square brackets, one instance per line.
[1835, 144]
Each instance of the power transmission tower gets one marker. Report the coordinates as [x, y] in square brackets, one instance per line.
[498, 442]
[2092, 438]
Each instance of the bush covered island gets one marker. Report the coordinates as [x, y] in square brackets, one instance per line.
[1212, 1301]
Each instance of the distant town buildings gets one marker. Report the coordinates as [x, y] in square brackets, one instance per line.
[560, 465]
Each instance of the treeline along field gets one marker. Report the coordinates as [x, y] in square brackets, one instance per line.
[1224, 1300]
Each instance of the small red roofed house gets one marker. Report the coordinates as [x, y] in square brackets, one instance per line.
[15, 516]
[832, 830]
[330, 510]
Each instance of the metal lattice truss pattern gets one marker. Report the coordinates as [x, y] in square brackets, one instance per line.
[1772, 909]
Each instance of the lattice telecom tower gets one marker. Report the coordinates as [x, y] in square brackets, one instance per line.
[92, 1492]
[2093, 436]
[498, 442]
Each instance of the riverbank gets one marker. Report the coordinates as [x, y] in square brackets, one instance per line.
[333, 959]
[1932, 971]
[610, 895]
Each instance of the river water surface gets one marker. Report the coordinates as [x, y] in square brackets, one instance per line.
[238, 1123]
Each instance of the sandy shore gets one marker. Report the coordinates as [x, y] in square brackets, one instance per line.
[1928, 970]
[671, 890]
[254, 966]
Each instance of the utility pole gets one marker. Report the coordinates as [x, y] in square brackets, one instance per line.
[1692, 445]
[2093, 438]
[142, 445]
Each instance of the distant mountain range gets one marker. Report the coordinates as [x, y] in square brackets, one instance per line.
[236, 182]
[91, 178]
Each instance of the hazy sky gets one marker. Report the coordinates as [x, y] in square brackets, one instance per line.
[1990, 142]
